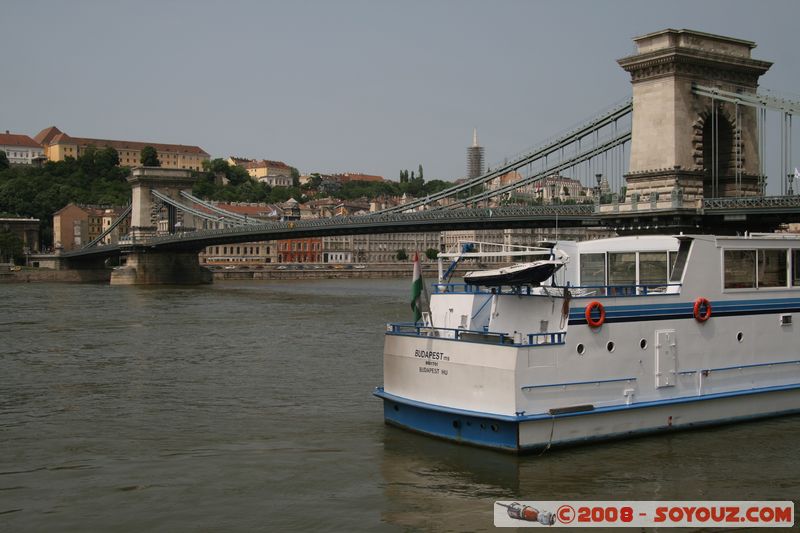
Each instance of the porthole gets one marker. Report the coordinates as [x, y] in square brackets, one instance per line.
[739, 336]
[396, 407]
[643, 344]
[495, 428]
[610, 346]
[580, 348]
[456, 424]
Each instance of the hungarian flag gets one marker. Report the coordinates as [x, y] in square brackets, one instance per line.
[416, 290]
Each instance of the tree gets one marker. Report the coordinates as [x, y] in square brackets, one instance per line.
[295, 176]
[420, 171]
[4, 164]
[402, 255]
[106, 158]
[149, 157]
[431, 253]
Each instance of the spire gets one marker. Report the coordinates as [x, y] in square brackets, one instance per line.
[474, 136]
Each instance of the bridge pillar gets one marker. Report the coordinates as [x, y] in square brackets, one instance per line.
[676, 134]
[148, 216]
[145, 266]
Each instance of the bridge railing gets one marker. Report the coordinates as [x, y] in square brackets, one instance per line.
[751, 202]
[511, 212]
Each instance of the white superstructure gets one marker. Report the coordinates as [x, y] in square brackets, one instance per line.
[633, 334]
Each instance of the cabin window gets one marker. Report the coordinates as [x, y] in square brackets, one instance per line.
[622, 268]
[772, 268]
[796, 268]
[652, 268]
[593, 269]
[740, 269]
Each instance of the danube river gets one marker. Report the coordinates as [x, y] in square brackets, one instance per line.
[247, 406]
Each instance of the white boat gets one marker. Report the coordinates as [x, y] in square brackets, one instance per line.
[633, 335]
[532, 273]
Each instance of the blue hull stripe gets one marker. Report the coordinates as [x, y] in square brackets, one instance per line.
[684, 310]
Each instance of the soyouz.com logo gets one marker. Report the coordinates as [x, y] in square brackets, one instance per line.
[727, 514]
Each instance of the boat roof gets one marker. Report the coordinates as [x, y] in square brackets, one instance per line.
[634, 243]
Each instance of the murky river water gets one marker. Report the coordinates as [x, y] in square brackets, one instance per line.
[248, 406]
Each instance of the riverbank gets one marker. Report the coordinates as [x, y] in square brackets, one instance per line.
[288, 272]
[46, 275]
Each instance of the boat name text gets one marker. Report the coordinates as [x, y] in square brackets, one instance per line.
[431, 355]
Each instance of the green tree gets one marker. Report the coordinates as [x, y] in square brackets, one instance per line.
[401, 255]
[149, 157]
[431, 253]
[106, 158]
[4, 164]
[420, 171]
[295, 176]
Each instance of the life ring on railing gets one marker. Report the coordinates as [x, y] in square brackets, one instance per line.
[702, 309]
[595, 322]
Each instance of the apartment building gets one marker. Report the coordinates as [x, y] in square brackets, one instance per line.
[75, 225]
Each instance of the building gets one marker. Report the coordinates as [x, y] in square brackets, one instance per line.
[337, 249]
[57, 146]
[273, 173]
[21, 149]
[384, 247]
[561, 188]
[249, 253]
[352, 176]
[475, 163]
[75, 226]
[303, 250]
[24, 229]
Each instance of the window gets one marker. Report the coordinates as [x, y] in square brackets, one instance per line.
[622, 268]
[653, 268]
[593, 269]
[740, 269]
[772, 268]
[796, 268]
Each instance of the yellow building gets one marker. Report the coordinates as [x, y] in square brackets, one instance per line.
[58, 146]
[273, 173]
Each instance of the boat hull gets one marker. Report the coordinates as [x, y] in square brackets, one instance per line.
[533, 433]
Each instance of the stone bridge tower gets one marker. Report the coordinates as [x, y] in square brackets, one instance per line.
[149, 216]
[679, 138]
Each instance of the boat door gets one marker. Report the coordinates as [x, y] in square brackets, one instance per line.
[666, 358]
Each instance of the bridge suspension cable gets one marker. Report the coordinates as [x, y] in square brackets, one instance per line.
[558, 167]
[110, 228]
[230, 216]
[188, 209]
[610, 117]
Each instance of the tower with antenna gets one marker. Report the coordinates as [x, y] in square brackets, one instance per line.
[474, 157]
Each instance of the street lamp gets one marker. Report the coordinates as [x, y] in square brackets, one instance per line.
[599, 178]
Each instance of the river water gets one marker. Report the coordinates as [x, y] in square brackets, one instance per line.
[247, 406]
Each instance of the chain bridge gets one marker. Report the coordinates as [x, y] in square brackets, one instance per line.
[686, 152]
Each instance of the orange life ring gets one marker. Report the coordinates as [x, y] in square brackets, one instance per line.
[702, 309]
[595, 323]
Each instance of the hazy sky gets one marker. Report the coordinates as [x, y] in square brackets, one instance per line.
[334, 86]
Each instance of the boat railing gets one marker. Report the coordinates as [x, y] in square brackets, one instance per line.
[640, 289]
[420, 329]
[576, 291]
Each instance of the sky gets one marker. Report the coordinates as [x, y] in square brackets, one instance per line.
[348, 85]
